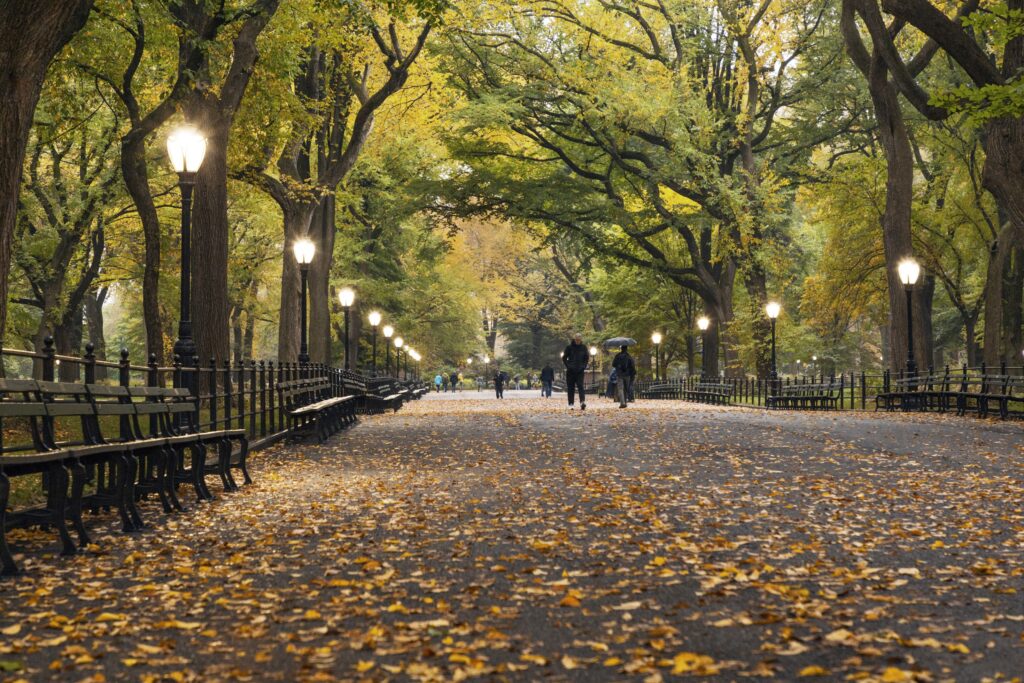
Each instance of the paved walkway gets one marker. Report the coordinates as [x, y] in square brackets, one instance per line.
[517, 540]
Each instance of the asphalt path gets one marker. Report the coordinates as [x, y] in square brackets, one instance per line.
[518, 540]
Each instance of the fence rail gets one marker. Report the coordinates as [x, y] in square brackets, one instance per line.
[857, 391]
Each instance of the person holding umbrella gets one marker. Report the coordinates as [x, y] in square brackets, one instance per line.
[575, 357]
[625, 369]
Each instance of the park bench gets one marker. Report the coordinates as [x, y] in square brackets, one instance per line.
[311, 406]
[807, 396]
[976, 390]
[663, 390]
[932, 391]
[370, 401]
[1011, 400]
[175, 410]
[718, 393]
[68, 426]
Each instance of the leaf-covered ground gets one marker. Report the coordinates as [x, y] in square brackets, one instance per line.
[520, 541]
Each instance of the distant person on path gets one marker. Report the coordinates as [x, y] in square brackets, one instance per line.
[626, 369]
[547, 379]
[613, 379]
[437, 382]
[575, 359]
[499, 384]
[455, 381]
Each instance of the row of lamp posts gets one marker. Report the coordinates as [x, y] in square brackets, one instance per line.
[186, 148]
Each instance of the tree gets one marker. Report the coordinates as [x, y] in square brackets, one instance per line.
[988, 50]
[31, 33]
[341, 102]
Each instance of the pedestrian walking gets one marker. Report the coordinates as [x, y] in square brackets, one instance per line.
[547, 379]
[499, 384]
[613, 378]
[437, 382]
[455, 381]
[575, 357]
[625, 367]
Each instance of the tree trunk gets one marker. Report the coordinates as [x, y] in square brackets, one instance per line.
[67, 341]
[210, 305]
[1013, 308]
[755, 281]
[31, 35]
[94, 301]
[896, 240]
[322, 232]
[136, 179]
[924, 336]
[999, 258]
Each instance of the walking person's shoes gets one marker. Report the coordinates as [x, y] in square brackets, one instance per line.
[583, 406]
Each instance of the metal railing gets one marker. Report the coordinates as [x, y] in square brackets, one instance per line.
[856, 391]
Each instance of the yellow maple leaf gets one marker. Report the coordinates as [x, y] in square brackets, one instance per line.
[813, 670]
[691, 662]
[363, 665]
[894, 675]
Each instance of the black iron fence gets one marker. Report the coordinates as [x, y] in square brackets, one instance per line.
[856, 391]
[231, 395]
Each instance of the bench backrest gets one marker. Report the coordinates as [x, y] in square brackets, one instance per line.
[19, 400]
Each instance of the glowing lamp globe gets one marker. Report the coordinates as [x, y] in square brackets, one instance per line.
[304, 251]
[347, 296]
[186, 148]
[909, 270]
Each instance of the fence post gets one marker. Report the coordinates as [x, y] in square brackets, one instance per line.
[123, 378]
[263, 398]
[213, 394]
[89, 364]
[252, 397]
[227, 394]
[240, 365]
[273, 397]
[48, 360]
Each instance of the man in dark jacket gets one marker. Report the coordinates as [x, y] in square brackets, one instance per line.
[547, 378]
[499, 384]
[576, 358]
[625, 370]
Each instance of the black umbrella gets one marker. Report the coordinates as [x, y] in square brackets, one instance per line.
[616, 342]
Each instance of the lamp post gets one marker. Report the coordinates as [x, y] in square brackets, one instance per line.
[399, 343]
[593, 364]
[388, 331]
[347, 297]
[405, 372]
[304, 251]
[375, 317]
[909, 270]
[772, 309]
[186, 148]
[703, 323]
[656, 340]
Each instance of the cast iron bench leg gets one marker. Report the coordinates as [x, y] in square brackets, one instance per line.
[9, 566]
[131, 472]
[78, 479]
[170, 477]
[59, 480]
[224, 452]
